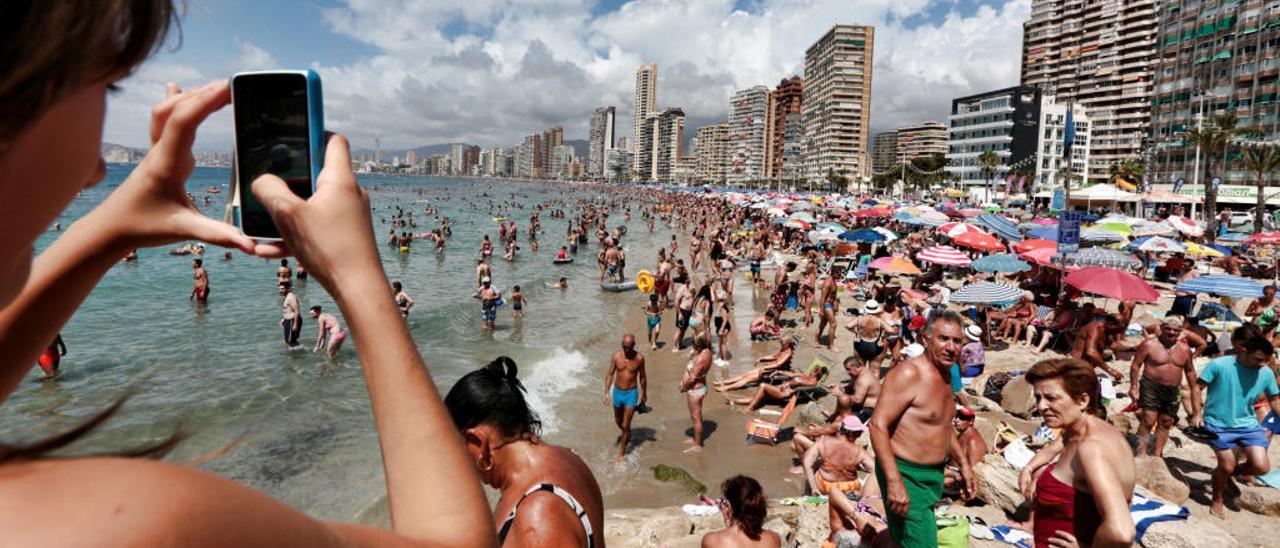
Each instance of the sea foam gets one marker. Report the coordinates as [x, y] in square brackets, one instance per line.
[549, 379]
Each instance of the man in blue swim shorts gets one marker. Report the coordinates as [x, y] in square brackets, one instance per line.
[1232, 384]
[626, 377]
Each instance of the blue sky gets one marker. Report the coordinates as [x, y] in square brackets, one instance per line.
[415, 72]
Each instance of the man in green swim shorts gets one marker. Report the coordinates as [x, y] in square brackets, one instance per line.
[912, 435]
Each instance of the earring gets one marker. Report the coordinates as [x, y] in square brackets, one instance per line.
[486, 467]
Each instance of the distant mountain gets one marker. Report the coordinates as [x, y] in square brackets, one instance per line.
[579, 147]
[120, 154]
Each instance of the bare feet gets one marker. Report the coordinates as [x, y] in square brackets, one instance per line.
[797, 470]
[694, 449]
[1217, 509]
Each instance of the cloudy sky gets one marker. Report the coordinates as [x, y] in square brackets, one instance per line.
[418, 72]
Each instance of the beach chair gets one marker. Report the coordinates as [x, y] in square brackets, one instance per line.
[759, 430]
[811, 393]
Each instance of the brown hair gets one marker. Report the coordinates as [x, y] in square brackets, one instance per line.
[40, 449]
[1078, 378]
[746, 499]
[52, 49]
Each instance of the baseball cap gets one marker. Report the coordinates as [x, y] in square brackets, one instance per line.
[912, 350]
[916, 323]
[965, 413]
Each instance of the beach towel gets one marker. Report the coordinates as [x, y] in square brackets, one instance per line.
[1009, 535]
[1147, 511]
[859, 272]
[699, 510]
[1018, 454]
[1271, 479]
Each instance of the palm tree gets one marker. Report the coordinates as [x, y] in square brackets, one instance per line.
[1130, 169]
[1261, 162]
[1211, 139]
[988, 161]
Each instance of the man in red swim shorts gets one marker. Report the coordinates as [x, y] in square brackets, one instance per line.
[52, 356]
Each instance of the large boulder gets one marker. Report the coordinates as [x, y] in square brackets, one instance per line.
[998, 484]
[1018, 397]
[810, 414]
[645, 526]
[1126, 423]
[813, 526]
[1190, 533]
[1260, 500]
[1153, 474]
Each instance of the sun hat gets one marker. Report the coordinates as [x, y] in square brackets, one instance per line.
[973, 332]
[871, 307]
[852, 423]
[912, 350]
[916, 323]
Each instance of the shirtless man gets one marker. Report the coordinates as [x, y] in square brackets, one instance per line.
[869, 331]
[864, 387]
[827, 303]
[971, 443]
[1167, 359]
[291, 317]
[1093, 339]
[626, 370]
[612, 264]
[284, 275]
[831, 467]
[200, 289]
[482, 271]
[488, 304]
[684, 311]
[757, 256]
[662, 280]
[912, 435]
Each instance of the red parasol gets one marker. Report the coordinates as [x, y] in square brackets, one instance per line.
[1034, 244]
[1264, 238]
[978, 240]
[873, 212]
[1109, 282]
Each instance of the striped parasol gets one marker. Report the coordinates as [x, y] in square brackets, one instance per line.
[1096, 256]
[1000, 262]
[1001, 226]
[1223, 285]
[1185, 225]
[986, 293]
[1157, 244]
[1096, 235]
[943, 255]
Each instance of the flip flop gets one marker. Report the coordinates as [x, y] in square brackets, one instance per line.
[1199, 433]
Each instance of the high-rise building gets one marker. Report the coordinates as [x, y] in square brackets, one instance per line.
[455, 158]
[746, 139]
[1101, 55]
[470, 159]
[660, 142]
[917, 140]
[784, 104]
[550, 139]
[599, 138]
[837, 101]
[411, 158]
[617, 165]
[710, 153]
[885, 155]
[526, 156]
[646, 98]
[561, 157]
[1213, 58]
[1024, 127]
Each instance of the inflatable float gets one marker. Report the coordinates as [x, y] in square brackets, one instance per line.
[617, 287]
[499, 219]
[644, 281]
[404, 249]
[565, 260]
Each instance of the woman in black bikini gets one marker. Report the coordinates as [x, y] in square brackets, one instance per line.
[548, 495]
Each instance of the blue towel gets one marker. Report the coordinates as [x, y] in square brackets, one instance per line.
[1271, 479]
[1009, 535]
[1147, 511]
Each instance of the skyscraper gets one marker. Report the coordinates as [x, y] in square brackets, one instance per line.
[837, 101]
[645, 104]
[748, 129]
[710, 153]
[599, 138]
[455, 158]
[784, 146]
[917, 140]
[659, 146]
[885, 155]
[551, 138]
[470, 159]
[1100, 55]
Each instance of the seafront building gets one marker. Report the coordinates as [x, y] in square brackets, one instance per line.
[599, 138]
[644, 104]
[709, 153]
[1099, 54]
[455, 159]
[920, 140]
[1025, 128]
[470, 160]
[1213, 59]
[561, 158]
[617, 165]
[786, 130]
[668, 131]
[745, 143]
[837, 102]
[885, 154]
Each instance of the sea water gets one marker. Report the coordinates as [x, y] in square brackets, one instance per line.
[305, 429]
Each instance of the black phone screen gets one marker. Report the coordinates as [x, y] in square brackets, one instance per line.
[272, 136]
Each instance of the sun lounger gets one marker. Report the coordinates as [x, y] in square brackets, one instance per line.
[768, 432]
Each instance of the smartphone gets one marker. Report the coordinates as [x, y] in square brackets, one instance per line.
[279, 129]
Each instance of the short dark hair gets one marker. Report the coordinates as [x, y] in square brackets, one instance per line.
[199, 262]
[284, 262]
[746, 500]
[316, 309]
[1258, 344]
[851, 360]
[946, 316]
[515, 288]
[397, 286]
[492, 395]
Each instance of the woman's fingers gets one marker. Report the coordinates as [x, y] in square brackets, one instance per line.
[337, 163]
[160, 112]
[191, 109]
[215, 232]
[275, 196]
[271, 250]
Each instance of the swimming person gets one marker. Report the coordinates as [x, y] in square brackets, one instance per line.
[52, 356]
[200, 287]
[403, 301]
[291, 317]
[50, 132]
[548, 497]
[694, 387]
[626, 388]
[330, 329]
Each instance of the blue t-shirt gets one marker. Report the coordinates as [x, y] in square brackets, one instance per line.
[957, 384]
[1232, 389]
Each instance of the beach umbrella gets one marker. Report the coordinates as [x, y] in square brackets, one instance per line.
[1112, 283]
[1185, 225]
[1044, 233]
[833, 226]
[1202, 250]
[1223, 285]
[1234, 237]
[1044, 221]
[903, 215]
[1264, 238]
[1000, 226]
[1096, 256]
[1119, 228]
[1034, 243]
[889, 235]
[1226, 251]
[825, 234]
[897, 265]
[1153, 229]
[873, 212]
[796, 223]
[986, 293]
[1042, 256]
[935, 217]
[1093, 235]
[1157, 244]
[1089, 217]
[803, 217]
[978, 240]
[951, 230]
[775, 212]
[863, 236]
[943, 255]
[759, 205]
[802, 206]
[970, 212]
[916, 221]
[1000, 262]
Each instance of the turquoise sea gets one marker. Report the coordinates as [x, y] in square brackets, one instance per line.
[221, 371]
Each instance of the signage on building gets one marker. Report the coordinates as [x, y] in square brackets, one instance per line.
[1069, 232]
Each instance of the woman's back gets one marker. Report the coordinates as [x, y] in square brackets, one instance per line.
[544, 516]
[734, 537]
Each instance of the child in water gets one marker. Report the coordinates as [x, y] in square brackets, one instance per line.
[653, 315]
[517, 302]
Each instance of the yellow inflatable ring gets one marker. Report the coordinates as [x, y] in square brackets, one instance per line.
[644, 281]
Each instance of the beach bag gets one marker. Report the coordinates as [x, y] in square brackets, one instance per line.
[995, 386]
[953, 531]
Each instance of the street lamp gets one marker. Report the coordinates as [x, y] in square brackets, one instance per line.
[1195, 178]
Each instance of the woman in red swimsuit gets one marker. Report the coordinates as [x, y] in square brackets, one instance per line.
[1082, 499]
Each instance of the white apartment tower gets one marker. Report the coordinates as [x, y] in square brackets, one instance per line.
[837, 101]
[599, 139]
[646, 98]
[749, 126]
[710, 153]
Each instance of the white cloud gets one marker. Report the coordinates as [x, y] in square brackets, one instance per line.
[253, 57]
[523, 65]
